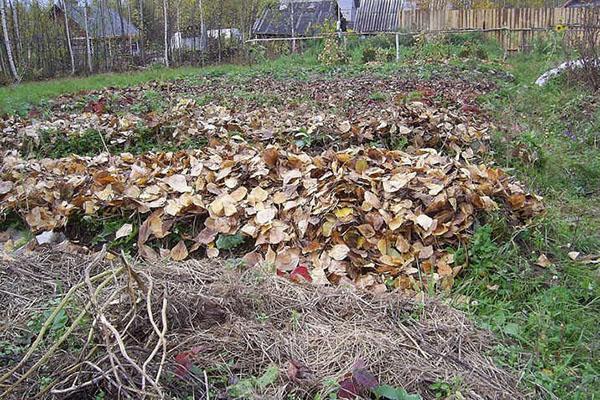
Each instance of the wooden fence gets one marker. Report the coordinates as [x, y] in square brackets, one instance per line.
[514, 28]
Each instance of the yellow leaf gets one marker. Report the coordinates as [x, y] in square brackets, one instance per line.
[361, 166]
[343, 212]
[327, 228]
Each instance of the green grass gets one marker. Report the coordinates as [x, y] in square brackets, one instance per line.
[548, 316]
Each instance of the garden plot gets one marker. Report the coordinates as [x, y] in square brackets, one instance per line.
[334, 185]
[309, 115]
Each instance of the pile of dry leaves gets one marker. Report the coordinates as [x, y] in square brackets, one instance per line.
[359, 215]
[315, 114]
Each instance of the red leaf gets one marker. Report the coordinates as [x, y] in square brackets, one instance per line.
[348, 389]
[300, 271]
[364, 380]
[184, 362]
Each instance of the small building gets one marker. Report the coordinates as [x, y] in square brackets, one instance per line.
[296, 18]
[190, 39]
[381, 15]
[103, 23]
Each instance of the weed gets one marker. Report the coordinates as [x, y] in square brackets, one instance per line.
[55, 144]
[247, 387]
[378, 96]
[230, 242]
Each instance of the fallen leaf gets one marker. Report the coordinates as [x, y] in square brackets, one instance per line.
[123, 231]
[543, 261]
[339, 252]
[179, 252]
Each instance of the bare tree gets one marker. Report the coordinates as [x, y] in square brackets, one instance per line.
[88, 46]
[129, 29]
[165, 12]
[7, 44]
[70, 46]
[15, 17]
[203, 30]
[293, 23]
[142, 47]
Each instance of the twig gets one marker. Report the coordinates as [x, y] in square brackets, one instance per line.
[49, 321]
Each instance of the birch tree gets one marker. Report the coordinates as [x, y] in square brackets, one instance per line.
[142, 48]
[69, 45]
[88, 46]
[166, 20]
[15, 16]
[7, 44]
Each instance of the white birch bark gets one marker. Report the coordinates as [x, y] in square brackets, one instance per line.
[7, 44]
[64, 6]
[166, 33]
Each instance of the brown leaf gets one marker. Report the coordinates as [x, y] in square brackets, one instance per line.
[179, 252]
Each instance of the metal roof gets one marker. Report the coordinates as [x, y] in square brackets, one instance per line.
[308, 15]
[379, 15]
[103, 23]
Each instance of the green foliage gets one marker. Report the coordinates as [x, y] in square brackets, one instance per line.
[59, 323]
[333, 52]
[97, 231]
[54, 144]
[230, 242]
[393, 393]
[151, 101]
[245, 388]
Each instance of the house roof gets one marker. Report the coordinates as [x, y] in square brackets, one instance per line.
[101, 23]
[276, 20]
[380, 15]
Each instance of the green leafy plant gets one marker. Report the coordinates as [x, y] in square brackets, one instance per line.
[393, 393]
[245, 388]
[229, 242]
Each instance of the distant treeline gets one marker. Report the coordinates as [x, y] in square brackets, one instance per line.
[41, 40]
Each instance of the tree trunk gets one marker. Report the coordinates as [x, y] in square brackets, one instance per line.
[15, 17]
[88, 46]
[69, 38]
[203, 30]
[129, 31]
[165, 10]
[293, 28]
[142, 49]
[7, 44]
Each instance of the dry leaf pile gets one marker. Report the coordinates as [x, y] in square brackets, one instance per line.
[313, 114]
[352, 216]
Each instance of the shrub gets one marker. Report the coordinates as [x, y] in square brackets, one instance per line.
[369, 54]
[587, 44]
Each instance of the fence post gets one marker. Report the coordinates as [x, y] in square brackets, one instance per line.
[397, 47]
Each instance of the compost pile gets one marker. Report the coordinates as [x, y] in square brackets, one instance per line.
[180, 329]
[359, 215]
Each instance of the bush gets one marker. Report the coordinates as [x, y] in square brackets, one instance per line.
[370, 54]
[333, 53]
[587, 45]
[460, 39]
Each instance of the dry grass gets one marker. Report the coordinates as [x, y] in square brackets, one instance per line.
[244, 320]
